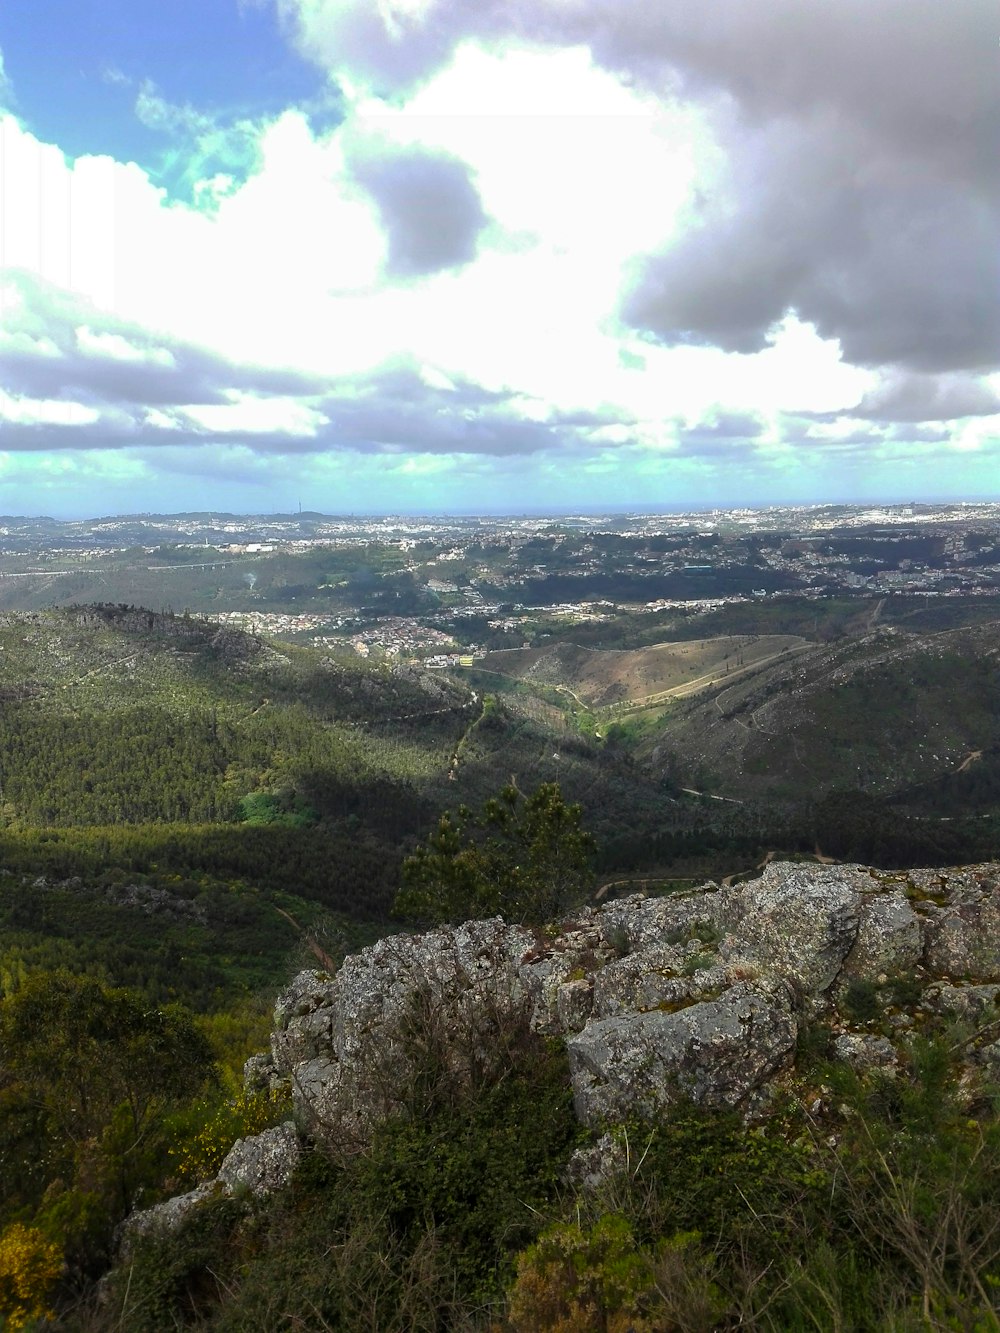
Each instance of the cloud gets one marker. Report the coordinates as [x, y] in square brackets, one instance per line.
[909, 397]
[721, 434]
[919, 74]
[227, 464]
[528, 248]
[395, 410]
[209, 155]
[427, 203]
[862, 183]
[723, 425]
[903, 273]
[835, 432]
[74, 377]
[55, 344]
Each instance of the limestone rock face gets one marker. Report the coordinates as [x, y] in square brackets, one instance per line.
[800, 921]
[963, 927]
[862, 1051]
[643, 980]
[715, 1052]
[978, 1004]
[637, 924]
[697, 995]
[164, 1218]
[263, 1163]
[557, 975]
[889, 938]
[342, 1041]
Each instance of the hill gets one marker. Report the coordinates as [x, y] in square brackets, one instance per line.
[159, 769]
[888, 713]
[172, 784]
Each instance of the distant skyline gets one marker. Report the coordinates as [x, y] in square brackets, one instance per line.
[584, 512]
[448, 256]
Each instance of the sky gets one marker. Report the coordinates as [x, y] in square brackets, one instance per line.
[497, 256]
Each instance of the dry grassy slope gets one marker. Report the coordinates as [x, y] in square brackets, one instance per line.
[599, 677]
[877, 713]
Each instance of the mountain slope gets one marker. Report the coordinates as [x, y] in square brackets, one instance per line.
[601, 678]
[881, 713]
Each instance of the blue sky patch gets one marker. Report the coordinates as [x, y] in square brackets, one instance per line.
[87, 76]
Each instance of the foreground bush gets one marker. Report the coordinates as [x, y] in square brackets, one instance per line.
[29, 1267]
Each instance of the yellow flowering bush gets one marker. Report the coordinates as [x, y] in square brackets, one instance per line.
[29, 1267]
[213, 1128]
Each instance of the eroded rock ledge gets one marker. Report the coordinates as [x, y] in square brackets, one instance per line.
[698, 996]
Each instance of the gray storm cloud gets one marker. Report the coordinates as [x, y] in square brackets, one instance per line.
[863, 143]
[913, 398]
[899, 267]
[391, 409]
[428, 205]
[722, 434]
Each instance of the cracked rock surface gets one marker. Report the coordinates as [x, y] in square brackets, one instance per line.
[698, 996]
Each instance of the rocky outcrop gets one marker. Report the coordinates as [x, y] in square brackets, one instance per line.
[698, 996]
[716, 1052]
[259, 1165]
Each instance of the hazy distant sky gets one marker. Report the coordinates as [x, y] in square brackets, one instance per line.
[497, 254]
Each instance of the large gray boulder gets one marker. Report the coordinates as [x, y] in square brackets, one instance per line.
[889, 939]
[862, 1051]
[643, 980]
[262, 1163]
[962, 911]
[799, 921]
[716, 1053]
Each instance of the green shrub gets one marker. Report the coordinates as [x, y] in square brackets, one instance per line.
[861, 1001]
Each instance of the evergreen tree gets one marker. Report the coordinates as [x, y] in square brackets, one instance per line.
[527, 858]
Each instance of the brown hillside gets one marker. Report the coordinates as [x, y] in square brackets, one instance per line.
[599, 677]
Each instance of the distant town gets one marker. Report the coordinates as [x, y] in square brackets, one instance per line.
[442, 589]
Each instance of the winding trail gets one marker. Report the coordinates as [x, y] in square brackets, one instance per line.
[456, 753]
[708, 680]
[106, 666]
[969, 759]
[731, 800]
